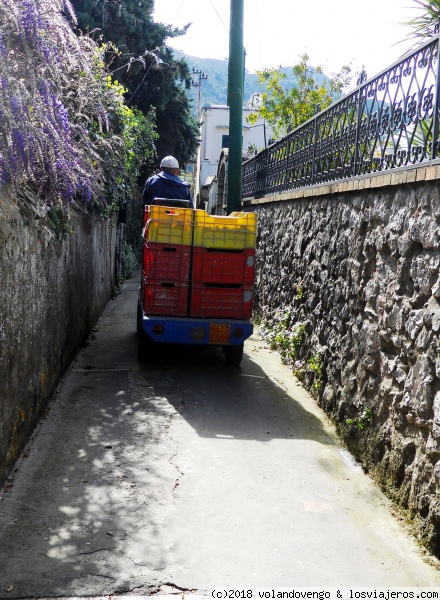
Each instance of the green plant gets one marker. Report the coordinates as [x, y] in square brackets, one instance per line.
[299, 369]
[58, 222]
[136, 42]
[284, 334]
[364, 418]
[291, 339]
[129, 261]
[425, 25]
[314, 364]
[66, 130]
[286, 109]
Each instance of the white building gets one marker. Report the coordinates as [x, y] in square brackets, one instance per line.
[214, 137]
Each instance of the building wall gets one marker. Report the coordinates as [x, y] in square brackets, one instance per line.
[357, 265]
[215, 125]
[55, 281]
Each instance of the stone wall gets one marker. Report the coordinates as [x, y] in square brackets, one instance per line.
[54, 283]
[360, 271]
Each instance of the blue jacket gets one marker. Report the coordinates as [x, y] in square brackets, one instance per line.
[165, 185]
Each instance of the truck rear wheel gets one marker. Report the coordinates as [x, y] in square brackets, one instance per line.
[145, 343]
[139, 319]
[233, 355]
[145, 347]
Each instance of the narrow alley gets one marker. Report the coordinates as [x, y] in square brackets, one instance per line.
[187, 474]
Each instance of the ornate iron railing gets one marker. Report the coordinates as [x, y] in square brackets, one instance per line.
[387, 122]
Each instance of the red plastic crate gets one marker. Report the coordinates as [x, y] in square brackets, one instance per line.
[221, 302]
[166, 262]
[165, 297]
[222, 267]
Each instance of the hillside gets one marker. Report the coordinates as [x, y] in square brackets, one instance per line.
[214, 89]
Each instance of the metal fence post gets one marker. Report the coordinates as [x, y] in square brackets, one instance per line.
[315, 141]
[362, 78]
[435, 120]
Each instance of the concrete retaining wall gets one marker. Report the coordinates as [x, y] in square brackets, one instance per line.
[360, 270]
[52, 291]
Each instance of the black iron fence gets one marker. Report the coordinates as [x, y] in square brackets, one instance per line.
[387, 122]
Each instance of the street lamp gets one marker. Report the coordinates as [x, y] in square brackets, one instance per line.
[157, 64]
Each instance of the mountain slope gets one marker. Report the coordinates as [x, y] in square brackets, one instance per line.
[214, 89]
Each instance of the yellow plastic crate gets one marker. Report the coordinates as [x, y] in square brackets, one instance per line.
[233, 232]
[166, 225]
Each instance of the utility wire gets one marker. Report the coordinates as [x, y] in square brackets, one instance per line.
[181, 4]
[213, 6]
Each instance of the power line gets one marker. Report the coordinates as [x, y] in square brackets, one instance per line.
[181, 4]
[213, 6]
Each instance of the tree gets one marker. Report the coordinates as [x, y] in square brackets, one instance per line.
[286, 109]
[128, 25]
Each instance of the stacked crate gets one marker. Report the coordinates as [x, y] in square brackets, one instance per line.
[166, 260]
[223, 265]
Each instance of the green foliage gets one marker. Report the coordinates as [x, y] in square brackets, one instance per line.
[65, 130]
[314, 365]
[426, 24]
[58, 221]
[285, 335]
[285, 109]
[364, 418]
[214, 89]
[129, 261]
[178, 129]
[135, 38]
[138, 135]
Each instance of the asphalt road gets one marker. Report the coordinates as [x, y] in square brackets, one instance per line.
[187, 474]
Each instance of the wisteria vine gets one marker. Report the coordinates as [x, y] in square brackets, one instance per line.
[59, 111]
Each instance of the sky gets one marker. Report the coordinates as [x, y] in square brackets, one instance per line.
[332, 32]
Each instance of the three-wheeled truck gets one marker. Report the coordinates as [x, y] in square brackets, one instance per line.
[197, 279]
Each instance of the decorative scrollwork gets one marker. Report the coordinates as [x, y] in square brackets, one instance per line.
[362, 77]
[384, 120]
[407, 71]
[396, 116]
[427, 102]
[394, 77]
[411, 109]
[388, 122]
[374, 120]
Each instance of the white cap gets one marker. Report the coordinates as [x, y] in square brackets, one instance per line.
[169, 162]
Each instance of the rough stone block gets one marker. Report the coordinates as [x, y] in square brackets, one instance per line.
[431, 172]
[421, 174]
[411, 176]
[368, 261]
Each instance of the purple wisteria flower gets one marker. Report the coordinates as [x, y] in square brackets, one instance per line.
[19, 144]
[31, 19]
[52, 92]
[15, 106]
[63, 117]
